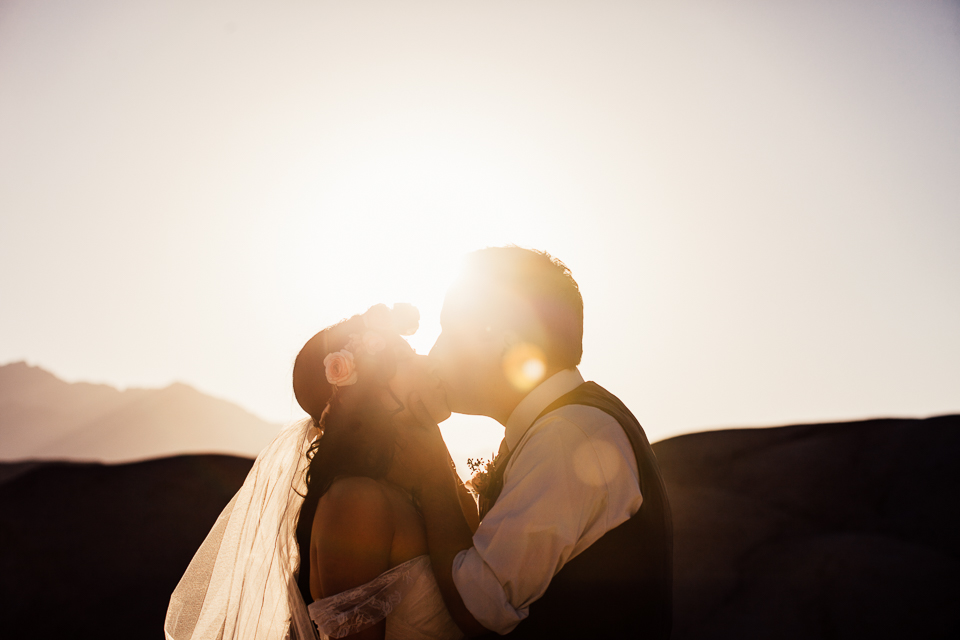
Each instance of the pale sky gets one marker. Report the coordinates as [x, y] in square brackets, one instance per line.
[760, 200]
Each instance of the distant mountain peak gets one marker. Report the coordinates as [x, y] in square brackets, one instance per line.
[24, 368]
[44, 417]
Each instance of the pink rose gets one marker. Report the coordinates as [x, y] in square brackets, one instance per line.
[373, 342]
[406, 318]
[340, 368]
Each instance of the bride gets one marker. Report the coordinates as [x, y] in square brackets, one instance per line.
[317, 519]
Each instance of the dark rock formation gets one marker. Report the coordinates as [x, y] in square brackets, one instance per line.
[818, 531]
[93, 551]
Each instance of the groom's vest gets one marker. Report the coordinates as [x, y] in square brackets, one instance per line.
[621, 586]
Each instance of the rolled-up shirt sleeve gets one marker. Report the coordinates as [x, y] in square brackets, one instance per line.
[554, 491]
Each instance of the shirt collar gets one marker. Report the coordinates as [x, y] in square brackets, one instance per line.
[533, 404]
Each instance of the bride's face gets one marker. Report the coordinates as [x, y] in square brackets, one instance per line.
[416, 373]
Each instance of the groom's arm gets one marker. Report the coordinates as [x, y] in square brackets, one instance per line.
[572, 478]
[447, 535]
[425, 470]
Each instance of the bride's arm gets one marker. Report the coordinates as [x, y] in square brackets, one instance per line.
[350, 541]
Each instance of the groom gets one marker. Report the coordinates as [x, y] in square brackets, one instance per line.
[575, 539]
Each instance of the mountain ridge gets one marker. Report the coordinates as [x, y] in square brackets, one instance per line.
[44, 417]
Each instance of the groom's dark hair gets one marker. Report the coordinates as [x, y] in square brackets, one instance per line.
[535, 294]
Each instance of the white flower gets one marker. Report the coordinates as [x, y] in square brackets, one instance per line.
[406, 318]
[354, 343]
[373, 342]
[340, 368]
[377, 317]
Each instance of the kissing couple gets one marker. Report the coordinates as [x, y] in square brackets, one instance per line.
[354, 523]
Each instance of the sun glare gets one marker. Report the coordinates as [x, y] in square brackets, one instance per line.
[533, 369]
[524, 364]
[390, 222]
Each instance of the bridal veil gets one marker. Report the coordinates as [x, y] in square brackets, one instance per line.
[242, 582]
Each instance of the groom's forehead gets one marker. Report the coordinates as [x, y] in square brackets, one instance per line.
[459, 308]
[468, 302]
[481, 303]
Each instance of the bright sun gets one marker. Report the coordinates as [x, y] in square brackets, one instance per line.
[349, 239]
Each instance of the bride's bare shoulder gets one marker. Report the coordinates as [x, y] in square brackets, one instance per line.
[352, 536]
[353, 502]
[354, 487]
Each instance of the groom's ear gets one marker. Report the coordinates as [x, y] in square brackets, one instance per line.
[510, 339]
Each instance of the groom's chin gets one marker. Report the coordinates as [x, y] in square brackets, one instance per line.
[464, 404]
[439, 411]
[466, 412]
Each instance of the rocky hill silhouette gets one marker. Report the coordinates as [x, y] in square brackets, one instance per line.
[845, 530]
[93, 550]
[43, 417]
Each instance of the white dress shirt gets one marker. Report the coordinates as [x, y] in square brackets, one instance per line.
[571, 478]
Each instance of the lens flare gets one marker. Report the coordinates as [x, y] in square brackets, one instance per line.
[524, 365]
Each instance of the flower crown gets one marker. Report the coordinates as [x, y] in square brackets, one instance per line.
[340, 366]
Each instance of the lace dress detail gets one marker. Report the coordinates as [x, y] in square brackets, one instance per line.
[406, 596]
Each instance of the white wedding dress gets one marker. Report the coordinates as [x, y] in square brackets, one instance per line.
[407, 596]
[242, 582]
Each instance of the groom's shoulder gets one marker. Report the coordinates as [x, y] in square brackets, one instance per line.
[576, 422]
[585, 415]
[586, 439]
